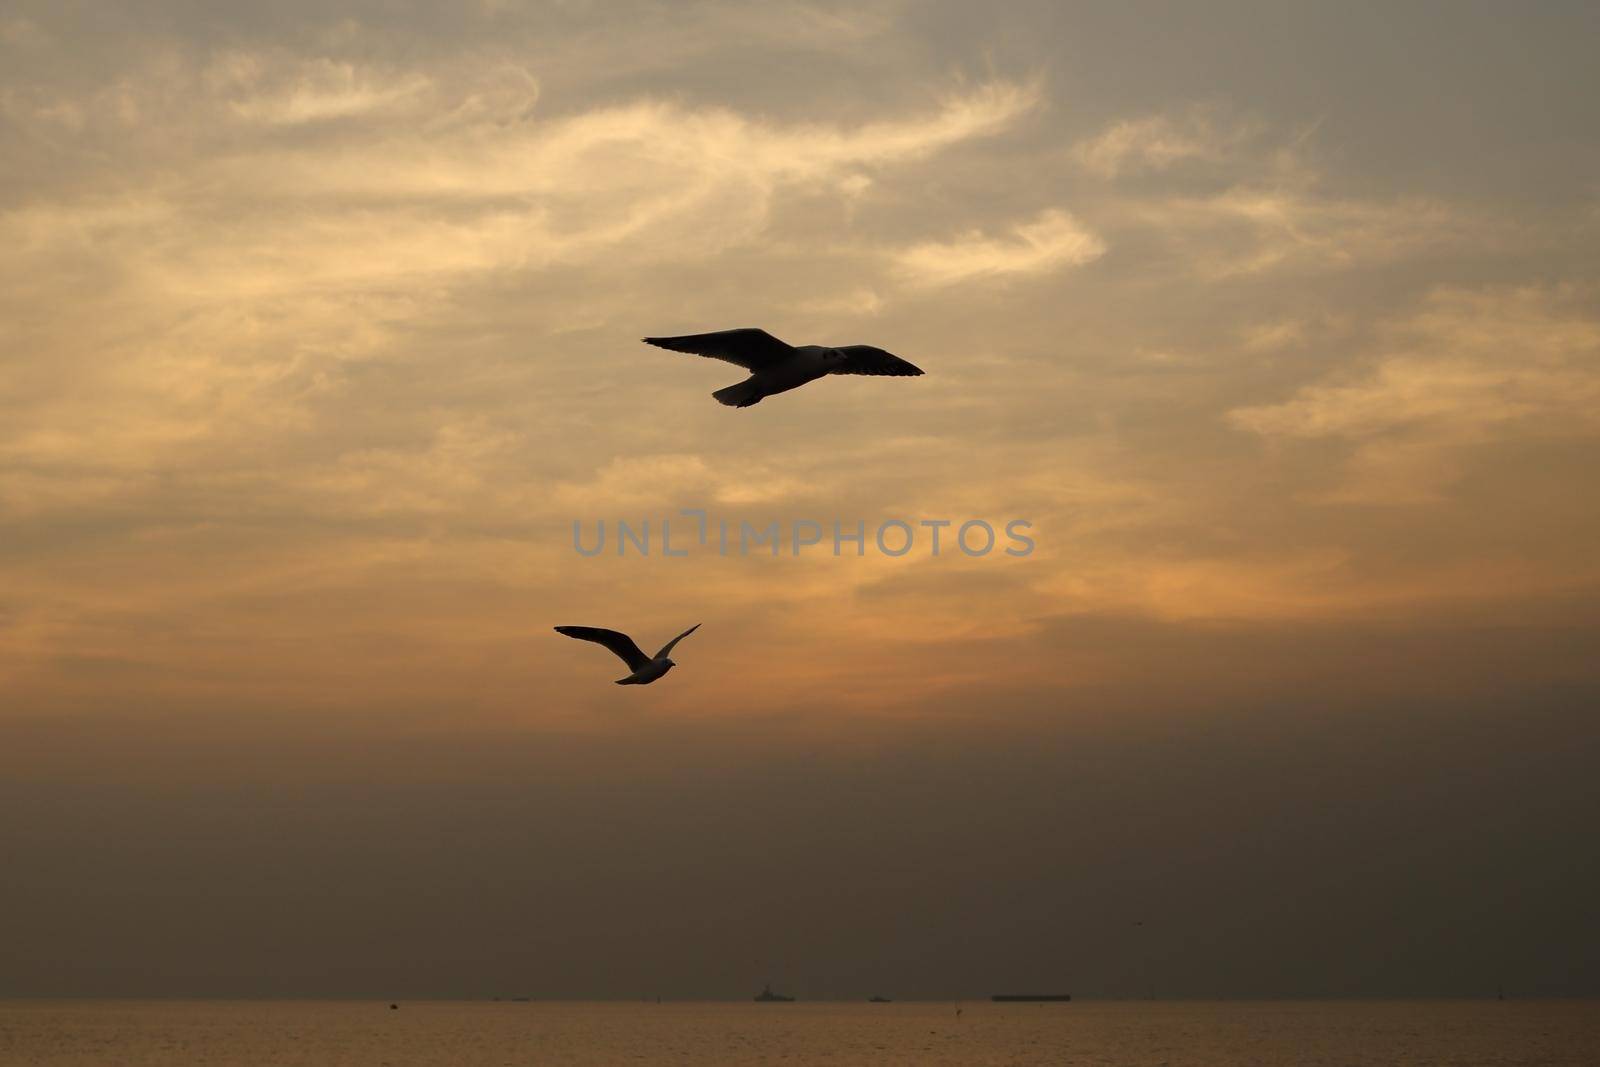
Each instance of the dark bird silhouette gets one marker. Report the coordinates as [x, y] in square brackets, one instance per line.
[776, 367]
[645, 669]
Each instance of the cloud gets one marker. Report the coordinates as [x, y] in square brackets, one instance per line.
[1156, 142]
[352, 332]
[1468, 364]
[1263, 229]
[1253, 201]
[1050, 241]
[242, 257]
[19, 31]
[319, 90]
[861, 301]
[1469, 367]
[448, 173]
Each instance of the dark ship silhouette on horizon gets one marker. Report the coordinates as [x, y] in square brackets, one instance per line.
[767, 996]
[1029, 998]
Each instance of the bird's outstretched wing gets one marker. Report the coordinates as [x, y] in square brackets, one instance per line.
[668, 649]
[864, 359]
[621, 644]
[749, 348]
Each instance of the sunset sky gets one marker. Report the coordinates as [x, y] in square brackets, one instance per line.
[319, 329]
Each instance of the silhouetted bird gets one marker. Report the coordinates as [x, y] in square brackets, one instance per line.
[776, 367]
[646, 669]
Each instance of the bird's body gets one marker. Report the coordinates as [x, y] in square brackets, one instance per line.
[807, 364]
[648, 673]
[776, 367]
[643, 669]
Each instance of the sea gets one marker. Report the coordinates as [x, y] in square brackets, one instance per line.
[173, 1033]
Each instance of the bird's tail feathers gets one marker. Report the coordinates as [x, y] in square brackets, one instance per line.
[740, 395]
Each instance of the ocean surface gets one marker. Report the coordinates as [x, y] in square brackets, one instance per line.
[1172, 1033]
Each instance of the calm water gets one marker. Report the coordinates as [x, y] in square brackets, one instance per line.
[420, 1034]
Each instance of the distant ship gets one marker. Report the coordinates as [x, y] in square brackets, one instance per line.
[879, 1000]
[767, 996]
[1014, 998]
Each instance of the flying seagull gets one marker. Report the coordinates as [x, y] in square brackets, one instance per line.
[776, 367]
[646, 669]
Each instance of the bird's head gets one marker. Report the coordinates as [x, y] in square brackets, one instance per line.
[669, 663]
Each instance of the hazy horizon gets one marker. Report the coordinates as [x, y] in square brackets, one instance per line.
[319, 329]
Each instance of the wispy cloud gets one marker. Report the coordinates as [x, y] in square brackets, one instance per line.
[321, 325]
[244, 272]
[316, 90]
[1156, 142]
[1469, 367]
[447, 177]
[1048, 242]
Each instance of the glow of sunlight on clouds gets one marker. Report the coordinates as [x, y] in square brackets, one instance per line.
[318, 91]
[1048, 242]
[469, 183]
[350, 340]
[274, 261]
[1468, 368]
[1257, 229]
[1265, 204]
[1156, 142]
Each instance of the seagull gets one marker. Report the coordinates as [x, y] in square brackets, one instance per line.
[776, 367]
[646, 669]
